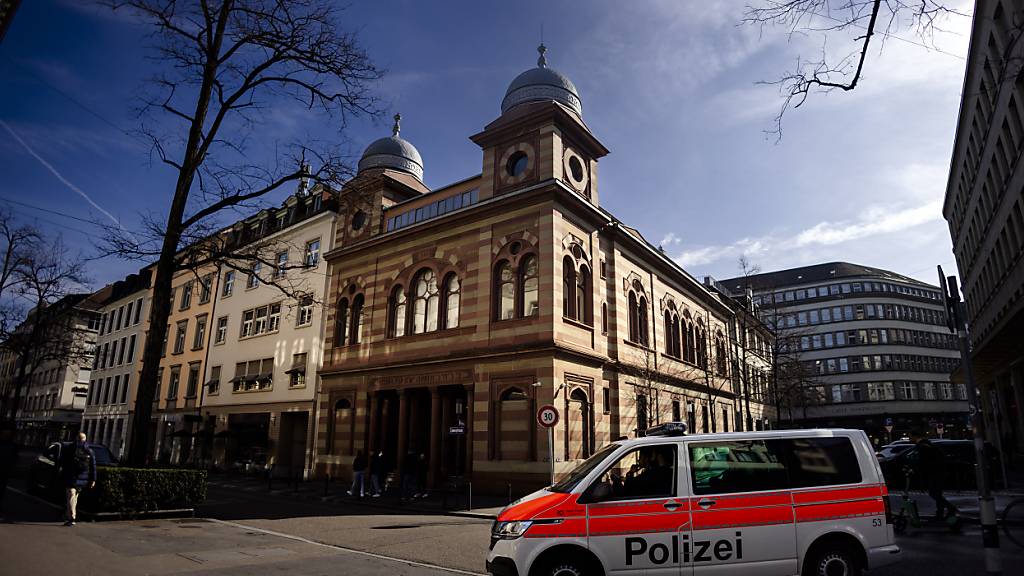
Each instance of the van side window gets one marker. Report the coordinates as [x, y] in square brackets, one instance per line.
[647, 472]
[823, 462]
[741, 466]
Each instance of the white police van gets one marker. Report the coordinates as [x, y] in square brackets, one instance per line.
[809, 502]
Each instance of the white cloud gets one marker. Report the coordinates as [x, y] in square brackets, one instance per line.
[876, 222]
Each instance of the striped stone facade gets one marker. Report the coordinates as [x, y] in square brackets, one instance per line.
[465, 396]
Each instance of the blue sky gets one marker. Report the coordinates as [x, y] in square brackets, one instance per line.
[670, 87]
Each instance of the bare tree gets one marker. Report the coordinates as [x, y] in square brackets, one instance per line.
[18, 242]
[223, 64]
[854, 21]
[51, 288]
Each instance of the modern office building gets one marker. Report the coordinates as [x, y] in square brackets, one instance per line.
[267, 339]
[873, 344]
[113, 380]
[455, 313]
[984, 207]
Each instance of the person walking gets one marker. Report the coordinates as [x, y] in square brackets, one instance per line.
[933, 470]
[78, 470]
[410, 472]
[377, 473]
[358, 474]
[8, 459]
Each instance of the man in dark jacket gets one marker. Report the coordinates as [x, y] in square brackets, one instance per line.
[78, 471]
[358, 474]
[933, 470]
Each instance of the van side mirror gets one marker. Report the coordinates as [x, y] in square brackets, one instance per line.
[596, 493]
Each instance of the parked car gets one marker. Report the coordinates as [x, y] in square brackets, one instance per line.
[959, 466]
[44, 474]
[894, 449]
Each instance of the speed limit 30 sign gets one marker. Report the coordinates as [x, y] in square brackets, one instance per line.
[547, 416]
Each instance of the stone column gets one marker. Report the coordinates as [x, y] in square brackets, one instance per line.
[435, 438]
[371, 418]
[469, 415]
[403, 431]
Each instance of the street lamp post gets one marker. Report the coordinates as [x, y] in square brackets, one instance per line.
[958, 325]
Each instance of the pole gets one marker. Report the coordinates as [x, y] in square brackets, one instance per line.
[551, 452]
[989, 529]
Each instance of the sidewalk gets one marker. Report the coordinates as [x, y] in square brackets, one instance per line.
[966, 502]
[484, 507]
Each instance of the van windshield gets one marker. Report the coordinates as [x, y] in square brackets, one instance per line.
[580, 472]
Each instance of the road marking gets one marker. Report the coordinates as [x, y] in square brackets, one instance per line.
[36, 498]
[344, 549]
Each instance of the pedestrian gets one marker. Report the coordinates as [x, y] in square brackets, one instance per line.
[421, 476]
[377, 472]
[358, 473]
[933, 470]
[410, 471]
[78, 470]
[8, 459]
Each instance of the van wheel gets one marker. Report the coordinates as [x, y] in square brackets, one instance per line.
[833, 561]
[570, 566]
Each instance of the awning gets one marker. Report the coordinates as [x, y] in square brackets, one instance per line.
[266, 376]
[213, 383]
[237, 379]
[296, 368]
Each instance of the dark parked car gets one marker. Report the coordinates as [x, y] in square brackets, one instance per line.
[959, 466]
[44, 475]
[894, 449]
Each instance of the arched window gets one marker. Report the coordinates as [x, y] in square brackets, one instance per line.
[425, 302]
[505, 289]
[675, 337]
[512, 393]
[642, 320]
[530, 282]
[583, 296]
[634, 329]
[569, 288]
[357, 320]
[396, 312]
[702, 347]
[341, 330]
[340, 436]
[513, 409]
[669, 349]
[578, 425]
[691, 346]
[452, 296]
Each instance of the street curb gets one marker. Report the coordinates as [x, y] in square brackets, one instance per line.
[313, 497]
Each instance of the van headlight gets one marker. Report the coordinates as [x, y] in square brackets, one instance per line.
[511, 530]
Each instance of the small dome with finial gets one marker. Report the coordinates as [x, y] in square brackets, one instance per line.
[542, 84]
[393, 152]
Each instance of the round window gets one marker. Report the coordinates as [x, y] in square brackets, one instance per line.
[576, 168]
[358, 220]
[514, 248]
[516, 165]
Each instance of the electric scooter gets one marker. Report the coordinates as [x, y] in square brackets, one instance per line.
[909, 516]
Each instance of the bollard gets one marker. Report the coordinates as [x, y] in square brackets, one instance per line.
[509, 493]
[470, 503]
[270, 478]
[327, 484]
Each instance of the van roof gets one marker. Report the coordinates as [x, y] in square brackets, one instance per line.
[742, 435]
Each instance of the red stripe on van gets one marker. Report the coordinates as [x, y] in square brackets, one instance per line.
[635, 507]
[531, 508]
[768, 515]
[568, 528]
[744, 500]
[834, 510]
[647, 523]
[836, 494]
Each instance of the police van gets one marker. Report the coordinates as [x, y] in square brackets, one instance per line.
[809, 502]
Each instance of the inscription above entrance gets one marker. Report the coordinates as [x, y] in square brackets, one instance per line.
[424, 380]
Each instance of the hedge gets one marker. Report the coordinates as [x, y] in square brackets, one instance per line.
[130, 491]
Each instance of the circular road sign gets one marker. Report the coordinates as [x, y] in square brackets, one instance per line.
[547, 416]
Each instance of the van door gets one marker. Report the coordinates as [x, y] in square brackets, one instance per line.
[635, 515]
[741, 509]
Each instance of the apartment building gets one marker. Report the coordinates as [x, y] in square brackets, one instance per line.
[124, 318]
[267, 339]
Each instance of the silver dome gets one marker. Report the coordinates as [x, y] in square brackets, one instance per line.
[542, 84]
[393, 152]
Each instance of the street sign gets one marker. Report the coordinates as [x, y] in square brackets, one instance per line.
[888, 428]
[547, 416]
[456, 430]
[888, 421]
